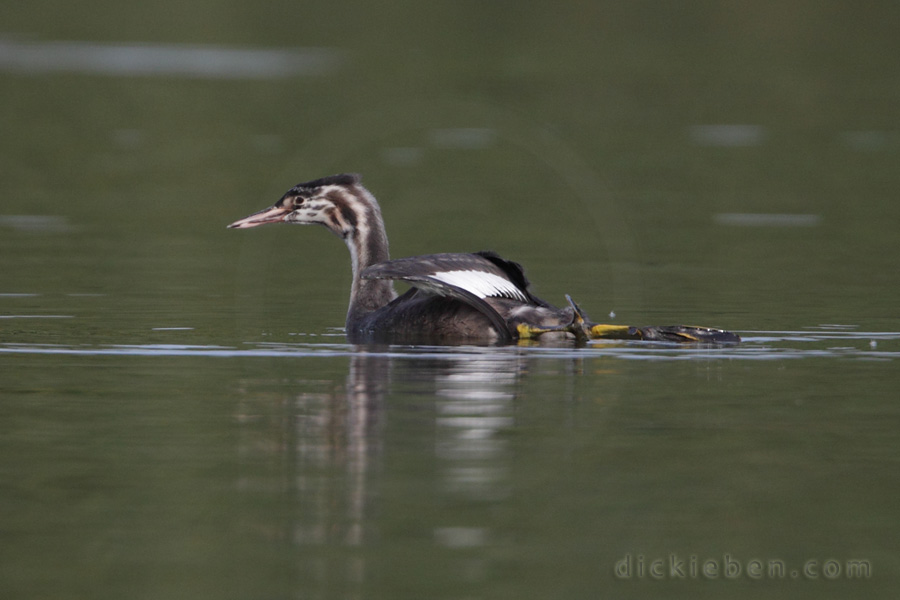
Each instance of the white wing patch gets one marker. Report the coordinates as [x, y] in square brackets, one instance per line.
[481, 284]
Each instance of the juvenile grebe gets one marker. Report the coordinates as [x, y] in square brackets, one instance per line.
[454, 297]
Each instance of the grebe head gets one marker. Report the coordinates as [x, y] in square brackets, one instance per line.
[338, 202]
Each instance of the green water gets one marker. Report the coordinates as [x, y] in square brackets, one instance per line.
[181, 417]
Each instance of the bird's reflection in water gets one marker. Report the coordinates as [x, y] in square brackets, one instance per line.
[474, 405]
[319, 446]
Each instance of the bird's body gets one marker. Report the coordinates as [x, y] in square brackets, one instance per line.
[478, 297]
[473, 297]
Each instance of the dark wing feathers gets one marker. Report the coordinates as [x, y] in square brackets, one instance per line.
[483, 274]
[451, 291]
[470, 278]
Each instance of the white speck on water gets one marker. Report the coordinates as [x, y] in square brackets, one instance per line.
[767, 220]
[460, 537]
[36, 317]
[36, 223]
[728, 135]
[402, 156]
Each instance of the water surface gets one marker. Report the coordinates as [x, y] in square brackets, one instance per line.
[182, 417]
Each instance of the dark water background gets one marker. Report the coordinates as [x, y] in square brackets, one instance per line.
[181, 417]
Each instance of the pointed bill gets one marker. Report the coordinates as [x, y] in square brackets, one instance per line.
[273, 214]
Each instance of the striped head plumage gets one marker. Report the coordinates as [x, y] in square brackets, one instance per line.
[338, 202]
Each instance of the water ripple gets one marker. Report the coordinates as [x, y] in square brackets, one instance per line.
[172, 60]
[757, 345]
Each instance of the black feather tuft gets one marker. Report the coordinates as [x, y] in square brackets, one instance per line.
[340, 179]
[514, 271]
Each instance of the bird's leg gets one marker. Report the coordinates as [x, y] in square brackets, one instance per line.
[583, 329]
[528, 331]
[579, 326]
[600, 331]
[594, 331]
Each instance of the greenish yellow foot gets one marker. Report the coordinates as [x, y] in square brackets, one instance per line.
[613, 332]
[532, 332]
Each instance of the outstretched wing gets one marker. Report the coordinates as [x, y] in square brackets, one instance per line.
[471, 278]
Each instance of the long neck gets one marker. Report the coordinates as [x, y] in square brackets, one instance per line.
[368, 245]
